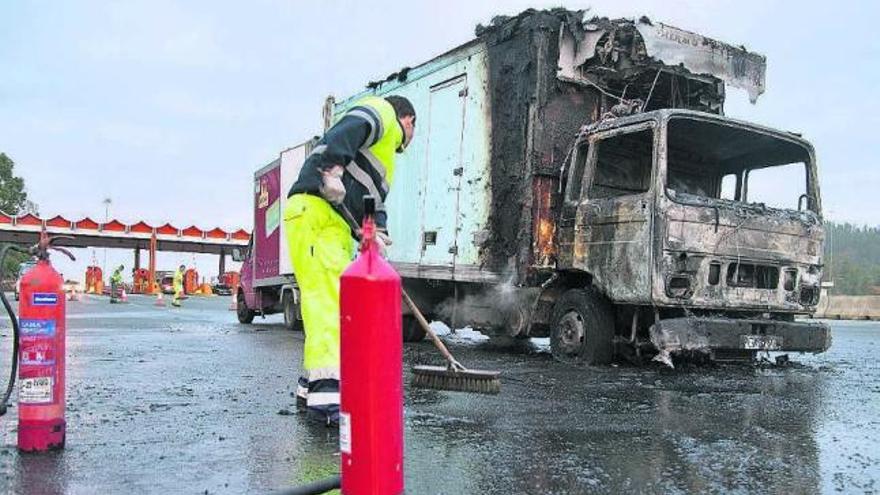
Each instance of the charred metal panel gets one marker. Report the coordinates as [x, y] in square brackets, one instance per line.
[535, 118]
[734, 238]
[655, 65]
[709, 335]
[612, 242]
[701, 55]
[744, 232]
[512, 84]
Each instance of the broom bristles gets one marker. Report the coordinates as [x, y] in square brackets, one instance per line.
[440, 378]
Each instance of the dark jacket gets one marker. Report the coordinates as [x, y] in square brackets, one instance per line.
[358, 129]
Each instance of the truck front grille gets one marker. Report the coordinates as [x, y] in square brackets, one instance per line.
[752, 276]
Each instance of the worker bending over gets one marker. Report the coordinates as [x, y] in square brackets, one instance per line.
[354, 158]
[177, 286]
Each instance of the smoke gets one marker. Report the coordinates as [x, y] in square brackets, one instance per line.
[488, 307]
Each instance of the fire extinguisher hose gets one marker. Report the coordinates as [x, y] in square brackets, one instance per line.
[10, 384]
[314, 488]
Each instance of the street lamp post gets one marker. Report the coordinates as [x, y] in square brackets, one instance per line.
[107, 202]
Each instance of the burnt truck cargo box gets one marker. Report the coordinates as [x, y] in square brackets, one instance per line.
[474, 198]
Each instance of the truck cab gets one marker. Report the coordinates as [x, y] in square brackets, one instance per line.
[703, 232]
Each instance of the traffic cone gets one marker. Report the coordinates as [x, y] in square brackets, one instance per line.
[234, 305]
[159, 301]
[123, 297]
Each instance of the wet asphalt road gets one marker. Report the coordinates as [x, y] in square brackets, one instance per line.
[188, 401]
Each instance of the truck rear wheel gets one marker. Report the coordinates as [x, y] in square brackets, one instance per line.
[292, 319]
[412, 331]
[245, 314]
[583, 328]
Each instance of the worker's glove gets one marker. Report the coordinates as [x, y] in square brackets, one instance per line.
[384, 238]
[384, 241]
[332, 188]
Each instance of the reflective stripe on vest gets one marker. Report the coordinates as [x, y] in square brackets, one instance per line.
[391, 138]
[364, 178]
[381, 143]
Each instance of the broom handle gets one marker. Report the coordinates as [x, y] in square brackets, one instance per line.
[427, 328]
[453, 363]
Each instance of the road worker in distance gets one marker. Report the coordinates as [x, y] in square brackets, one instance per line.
[116, 284]
[354, 158]
[177, 286]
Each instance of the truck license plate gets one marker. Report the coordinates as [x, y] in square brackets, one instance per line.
[762, 342]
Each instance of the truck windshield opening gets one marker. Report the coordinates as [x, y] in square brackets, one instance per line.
[709, 161]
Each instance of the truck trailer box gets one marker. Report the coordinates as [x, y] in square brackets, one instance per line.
[267, 283]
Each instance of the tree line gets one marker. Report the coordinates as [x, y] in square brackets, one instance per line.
[852, 258]
[13, 201]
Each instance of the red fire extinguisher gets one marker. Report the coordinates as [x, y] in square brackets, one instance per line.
[40, 352]
[371, 385]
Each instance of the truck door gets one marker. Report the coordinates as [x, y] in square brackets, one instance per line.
[442, 180]
[614, 219]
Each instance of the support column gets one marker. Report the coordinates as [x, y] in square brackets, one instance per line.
[153, 285]
[137, 258]
[222, 262]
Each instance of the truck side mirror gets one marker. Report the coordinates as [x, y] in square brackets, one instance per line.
[237, 255]
[804, 199]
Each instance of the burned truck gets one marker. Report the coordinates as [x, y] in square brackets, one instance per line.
[575, 177]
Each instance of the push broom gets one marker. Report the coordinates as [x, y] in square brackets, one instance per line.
[453, 376]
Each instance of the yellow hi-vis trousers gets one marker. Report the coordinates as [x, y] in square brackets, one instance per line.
[321, 247]
[177, 286]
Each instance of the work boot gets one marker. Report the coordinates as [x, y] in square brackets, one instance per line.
[323, 401]
[302, 392]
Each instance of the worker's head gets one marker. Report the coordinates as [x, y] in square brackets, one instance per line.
[406, 115]
[182, 268]
[121, 267]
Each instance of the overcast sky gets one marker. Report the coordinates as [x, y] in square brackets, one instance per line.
[168, 107]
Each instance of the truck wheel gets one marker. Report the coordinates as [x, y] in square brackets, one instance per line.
[412, 331]
[245, 314]
[583, 328]
[292, 319]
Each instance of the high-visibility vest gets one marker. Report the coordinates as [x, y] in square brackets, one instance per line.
[391, 136]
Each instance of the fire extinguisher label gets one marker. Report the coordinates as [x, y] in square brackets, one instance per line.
[345, 432]
[37, 342]
[37, 390]
[44, 299]
[37, 327]
[37, 351]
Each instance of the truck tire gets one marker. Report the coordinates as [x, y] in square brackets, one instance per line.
[245, 314]
[412, 331]
[583, 328]
[292, 320]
